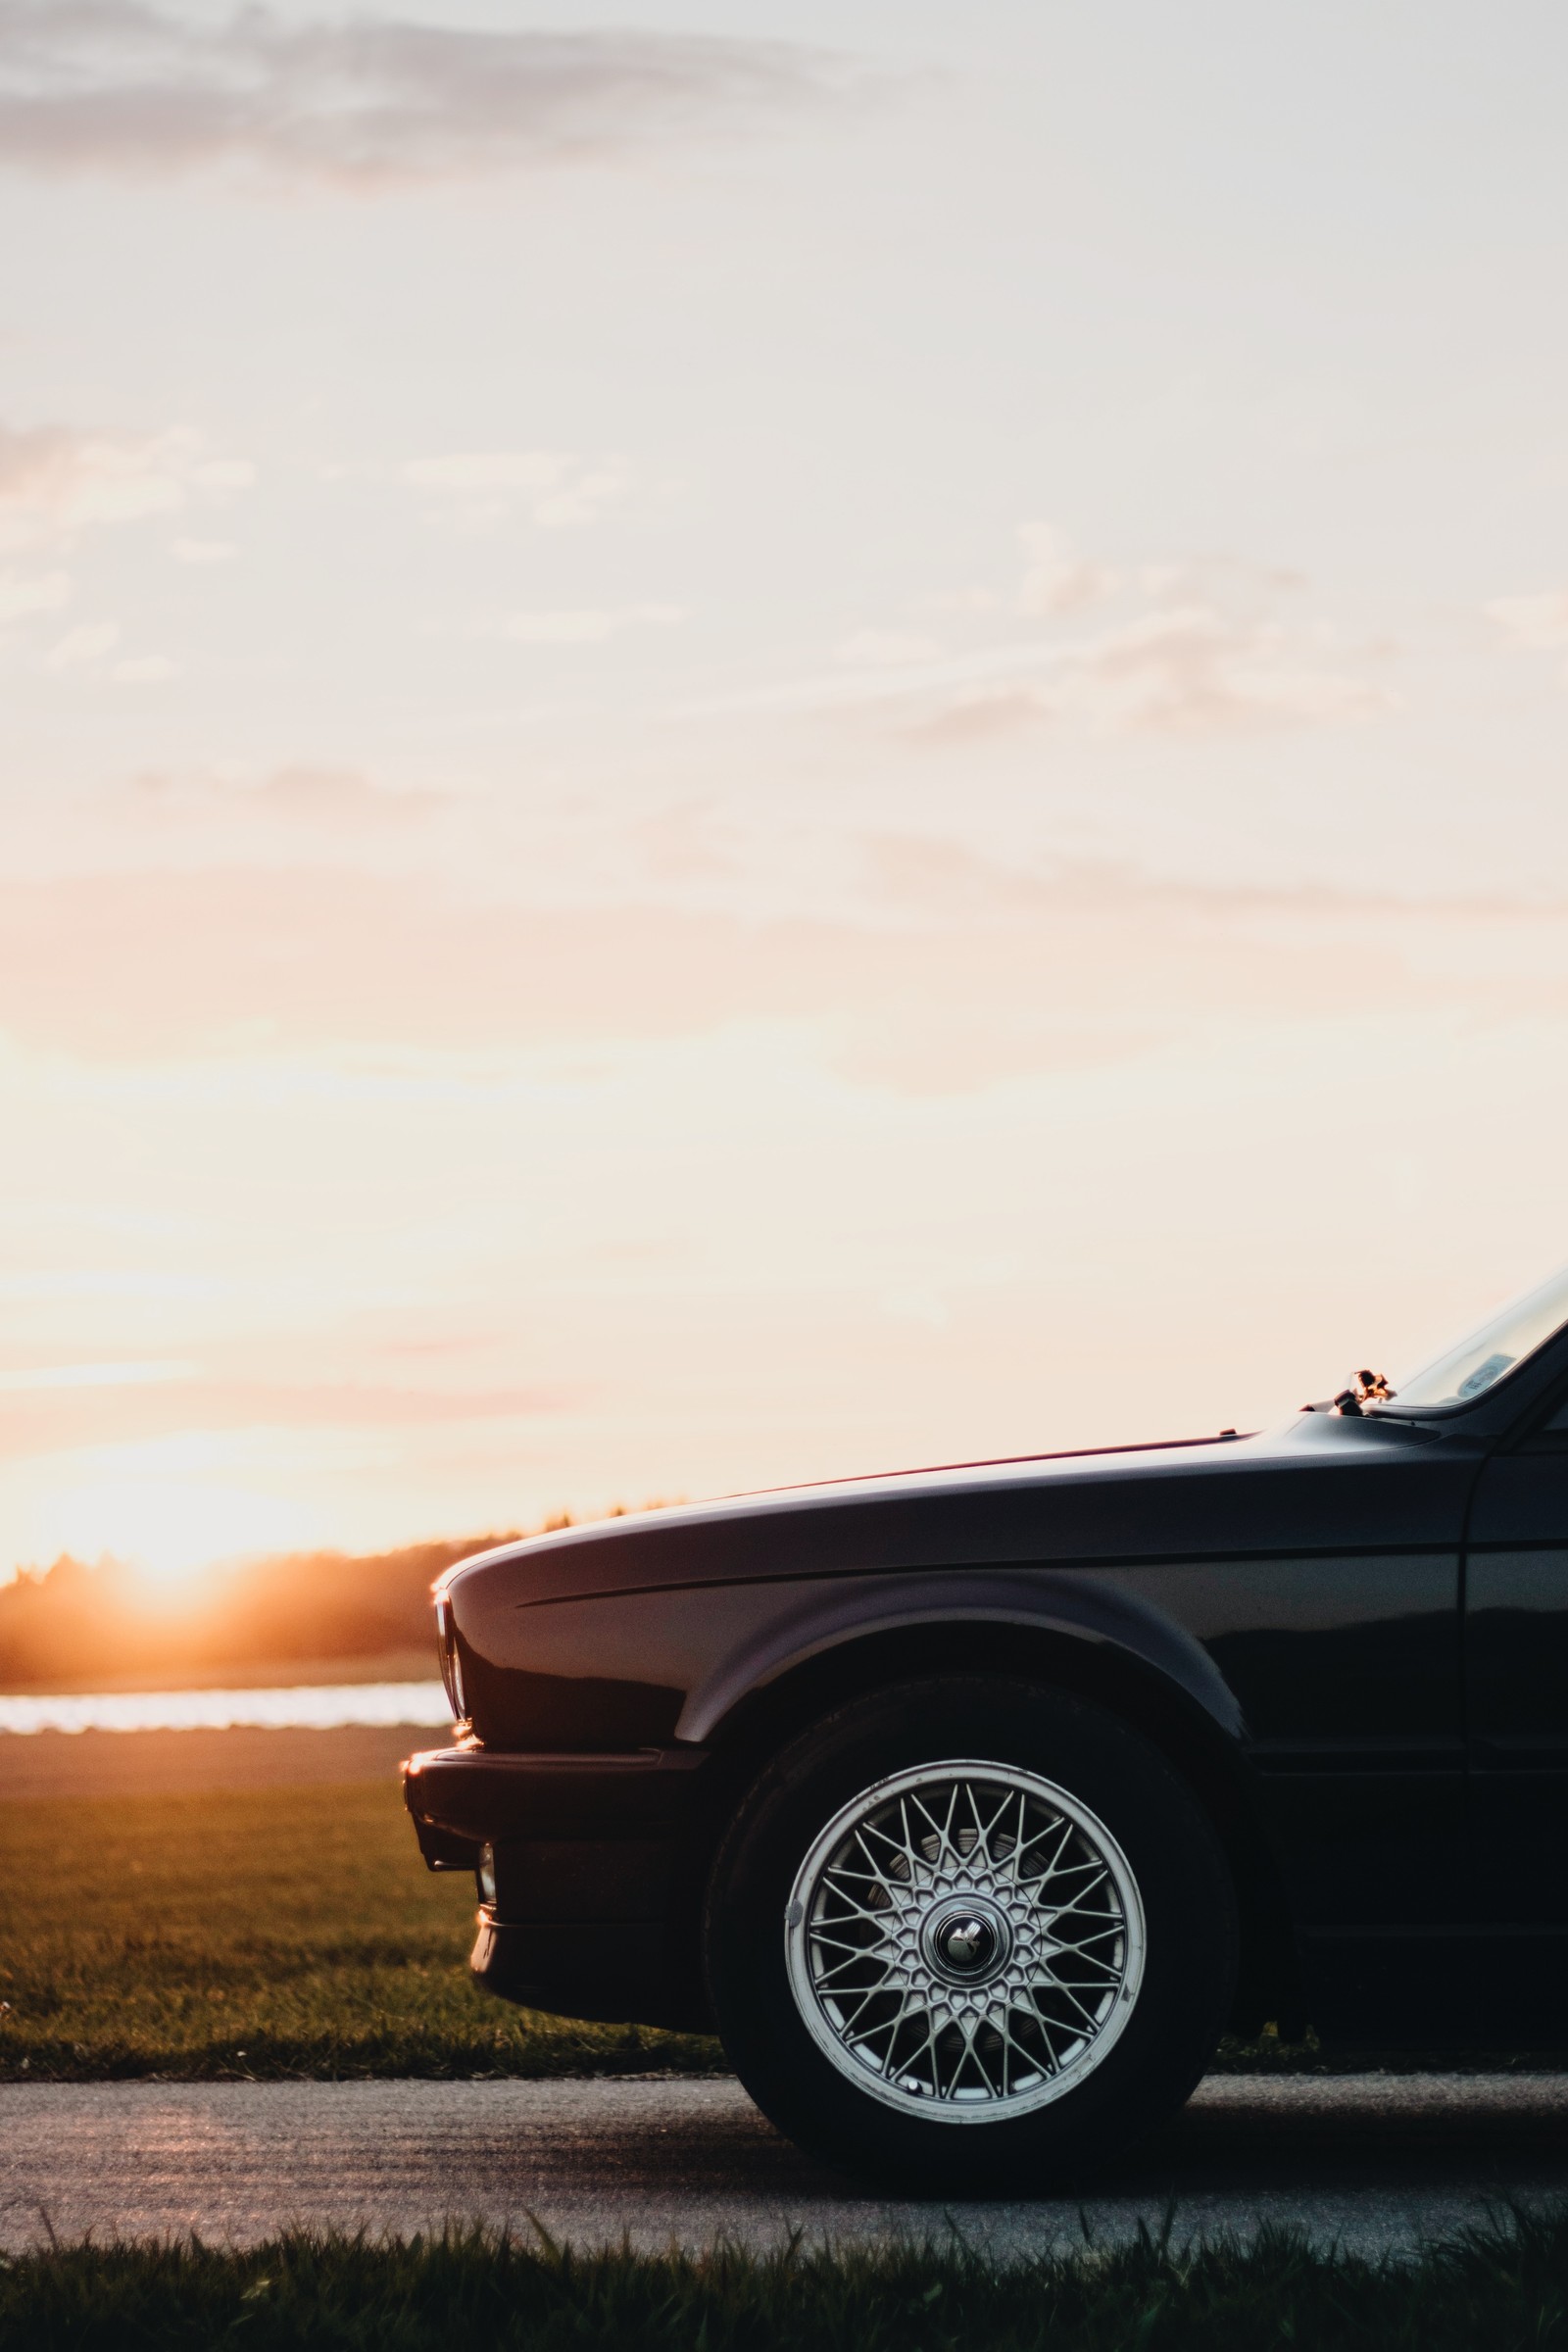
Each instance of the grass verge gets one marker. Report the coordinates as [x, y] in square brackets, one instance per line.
[1499, 2286]
[259, 1933]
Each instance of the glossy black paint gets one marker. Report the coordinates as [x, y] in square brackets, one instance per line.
[1516, 1636]
[1352, 1634]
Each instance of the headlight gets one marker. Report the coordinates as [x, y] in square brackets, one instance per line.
[446, 1637]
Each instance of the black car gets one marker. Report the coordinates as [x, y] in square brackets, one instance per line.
[972, 1805]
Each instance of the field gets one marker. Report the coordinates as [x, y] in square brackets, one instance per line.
[1506, 2286]
[256, 1932]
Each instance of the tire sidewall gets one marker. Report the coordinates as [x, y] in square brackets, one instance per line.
[1170, 1847]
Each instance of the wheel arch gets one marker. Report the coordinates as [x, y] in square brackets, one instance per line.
[848, 1663]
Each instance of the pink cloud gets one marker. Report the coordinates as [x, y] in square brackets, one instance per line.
[961, 972]
[365, 101]
[56, 482]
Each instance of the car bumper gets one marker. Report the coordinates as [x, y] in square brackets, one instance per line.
[597, 1864]
[477, 1796]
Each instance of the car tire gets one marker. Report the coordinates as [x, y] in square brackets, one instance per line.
[969, 1934]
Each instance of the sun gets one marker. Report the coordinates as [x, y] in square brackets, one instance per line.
[171, 1529]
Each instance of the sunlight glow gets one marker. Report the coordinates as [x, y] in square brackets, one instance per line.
[171, 1529]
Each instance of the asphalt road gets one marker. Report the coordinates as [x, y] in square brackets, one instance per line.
[1375, 2162]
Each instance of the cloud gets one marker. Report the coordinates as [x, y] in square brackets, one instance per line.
[1539, 621]
[79, 649]
[1179, 671]
[312, 800]
[126, 1375]
[558, 491]
[330, 794]
[1058, 579]
[55, 481]
[370, 101]
[956, 974]
[1195, 650]
[69, 479]
[336, 797]
[89, 647]
[1182, 670]
[979, 717]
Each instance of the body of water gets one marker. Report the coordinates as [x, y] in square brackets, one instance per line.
[320, 1707]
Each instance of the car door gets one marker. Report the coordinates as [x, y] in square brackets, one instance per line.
[1516, 1674]
[1328, 1597]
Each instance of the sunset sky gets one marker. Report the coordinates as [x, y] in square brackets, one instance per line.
[760, 741]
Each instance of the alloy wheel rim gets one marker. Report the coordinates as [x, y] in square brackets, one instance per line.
[965, 1940]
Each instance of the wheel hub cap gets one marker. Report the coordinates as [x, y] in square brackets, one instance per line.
[965, 1940]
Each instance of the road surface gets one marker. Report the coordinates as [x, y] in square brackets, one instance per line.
[1375, 2162]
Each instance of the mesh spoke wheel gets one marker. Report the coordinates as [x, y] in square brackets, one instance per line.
[966, 1941]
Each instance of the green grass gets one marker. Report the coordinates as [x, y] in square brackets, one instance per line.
[1499, 2288]
[255, 1934]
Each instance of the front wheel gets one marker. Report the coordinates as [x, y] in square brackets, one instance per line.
[970, 1934]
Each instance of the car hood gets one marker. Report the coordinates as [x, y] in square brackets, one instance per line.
[1275, 1491]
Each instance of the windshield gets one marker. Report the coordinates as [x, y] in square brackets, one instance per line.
[1467, 1371]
